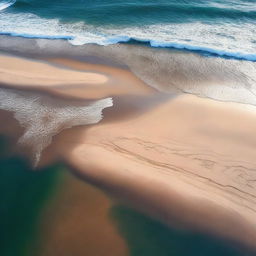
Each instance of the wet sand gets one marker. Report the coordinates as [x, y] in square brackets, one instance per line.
[185, 160]
[69, 78]
[77, 222]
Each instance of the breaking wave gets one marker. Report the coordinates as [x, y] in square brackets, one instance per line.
[6, 4]
[221, 39]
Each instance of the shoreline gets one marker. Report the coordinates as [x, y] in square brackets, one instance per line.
[74, 208]
[203, 51]
[164, 155]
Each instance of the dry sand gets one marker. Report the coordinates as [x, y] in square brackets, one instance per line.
[184, 160]
[79, 80]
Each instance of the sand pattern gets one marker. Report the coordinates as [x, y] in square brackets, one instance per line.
[43, 116]
[182, 159]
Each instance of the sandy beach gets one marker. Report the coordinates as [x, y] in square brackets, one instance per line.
[185, 160]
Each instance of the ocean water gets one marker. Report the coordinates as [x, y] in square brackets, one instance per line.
[213, 27]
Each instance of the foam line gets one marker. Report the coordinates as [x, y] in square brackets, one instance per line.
[206, 51]
[43, 116]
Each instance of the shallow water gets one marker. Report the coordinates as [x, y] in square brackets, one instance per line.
[23, 195]
[30, 199]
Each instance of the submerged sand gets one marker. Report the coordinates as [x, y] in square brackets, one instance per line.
[77, 222]
[182, 159]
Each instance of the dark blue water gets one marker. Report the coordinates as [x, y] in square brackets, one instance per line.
[139, 12]
[226, 27]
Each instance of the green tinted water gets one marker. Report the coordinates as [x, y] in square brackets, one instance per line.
[24, 193]
[147, 237]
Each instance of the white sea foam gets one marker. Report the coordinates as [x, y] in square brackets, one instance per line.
[178, 72]
[43, 116]
[220, 79]
[224, 39]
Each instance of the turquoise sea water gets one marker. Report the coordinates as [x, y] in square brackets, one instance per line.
[219, 27]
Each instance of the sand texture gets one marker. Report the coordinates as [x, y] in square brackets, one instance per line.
[185, 160]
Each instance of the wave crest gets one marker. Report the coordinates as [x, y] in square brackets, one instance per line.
[6, 4]
[225, 40]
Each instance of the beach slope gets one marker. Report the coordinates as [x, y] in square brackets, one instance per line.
[187, 161]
